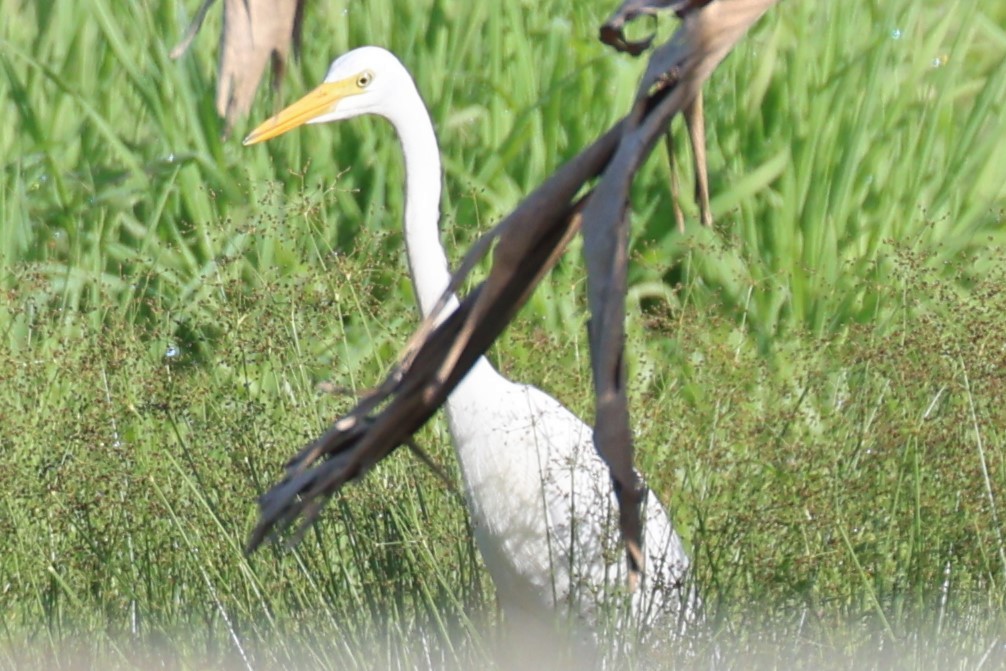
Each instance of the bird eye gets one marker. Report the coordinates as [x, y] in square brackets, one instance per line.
[363, 81]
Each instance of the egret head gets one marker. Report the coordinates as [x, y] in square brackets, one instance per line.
[363, 81]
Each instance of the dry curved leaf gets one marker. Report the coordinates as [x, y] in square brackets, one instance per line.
[254, 33]
[528, 242]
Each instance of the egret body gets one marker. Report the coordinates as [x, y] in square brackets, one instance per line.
[543, 512]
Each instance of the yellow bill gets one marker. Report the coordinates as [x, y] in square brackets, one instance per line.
[313, 105]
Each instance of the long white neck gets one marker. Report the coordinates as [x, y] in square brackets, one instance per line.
[467, 414]
[427, 260]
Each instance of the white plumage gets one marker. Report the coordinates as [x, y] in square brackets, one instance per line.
[540, 498]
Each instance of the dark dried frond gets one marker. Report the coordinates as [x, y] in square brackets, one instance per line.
[527, 244]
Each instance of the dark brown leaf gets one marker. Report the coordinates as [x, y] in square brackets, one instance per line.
[673, 79]
[528, 242]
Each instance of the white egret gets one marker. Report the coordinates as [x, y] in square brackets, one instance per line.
[541, 501]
